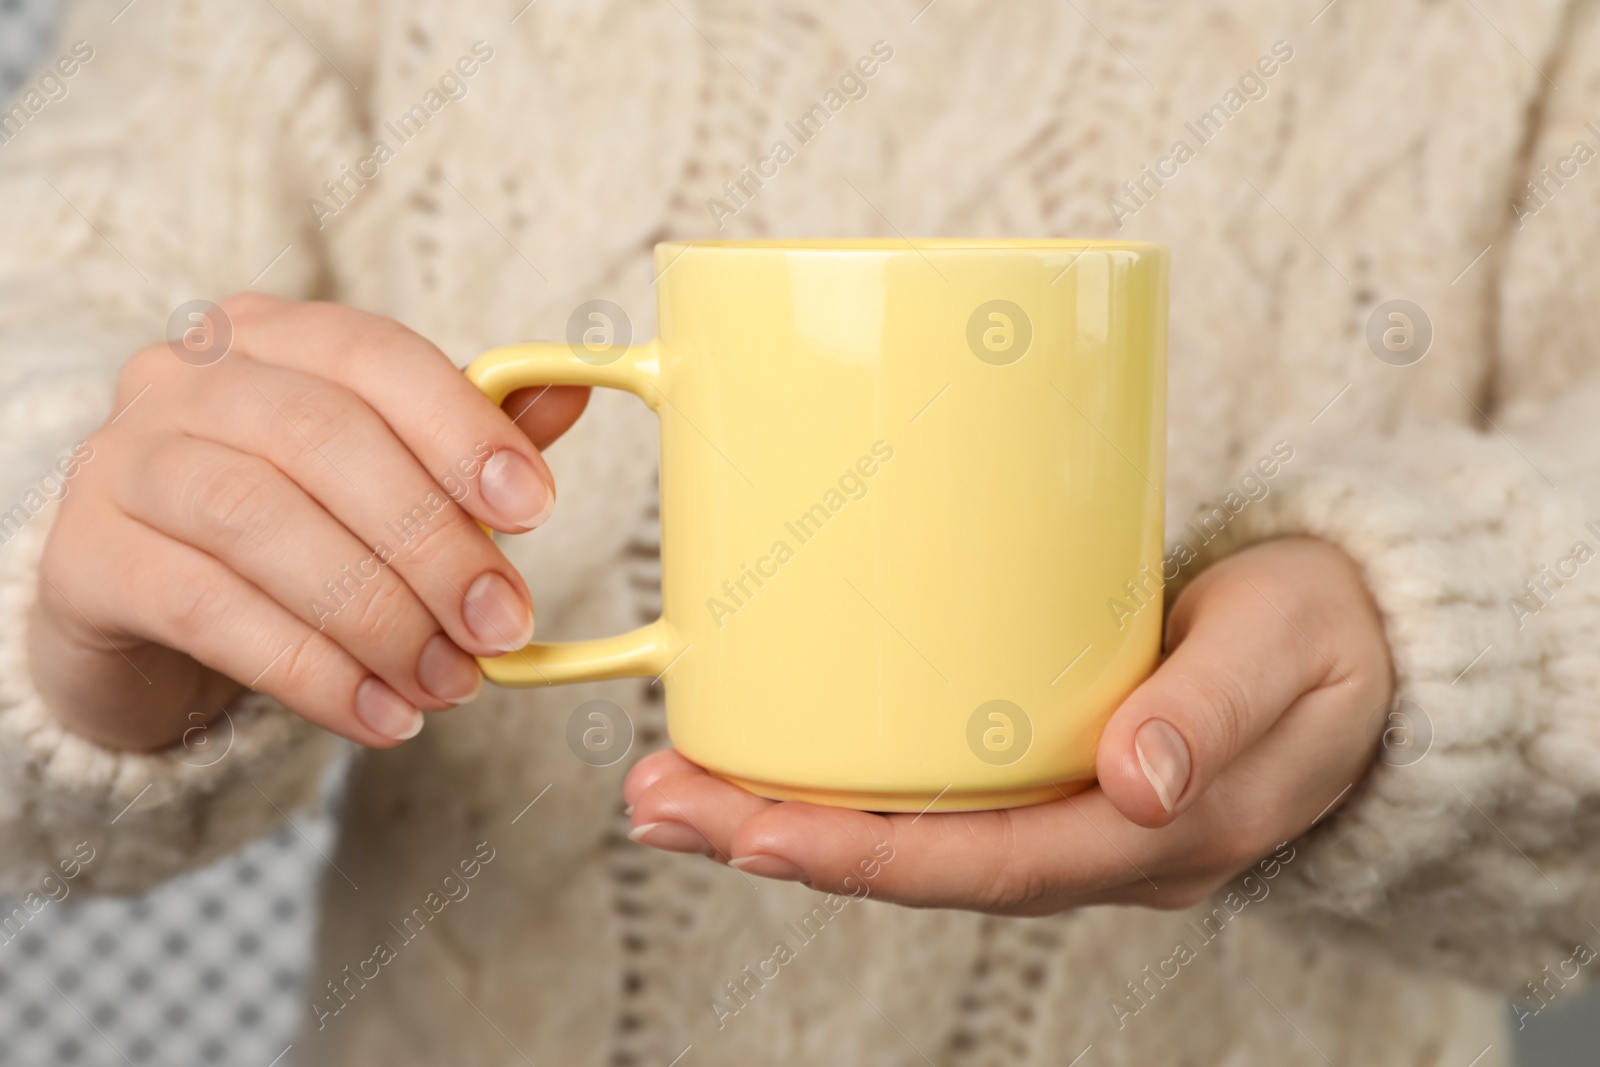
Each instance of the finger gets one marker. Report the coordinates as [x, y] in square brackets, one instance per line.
[1023, 861]
[179, 597]
[651, 768]
[692, 811]
[455, 431]
[1238, 661]
[333, 445]
[243, 511]
[546, 412]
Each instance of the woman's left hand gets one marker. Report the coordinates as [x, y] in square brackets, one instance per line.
[1260, 719]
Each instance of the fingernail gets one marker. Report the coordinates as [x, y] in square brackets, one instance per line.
[1164, 758]
[515, 488]
[628, 810]
[769, 867]
[672, 836]
[497, 614]
[382, 710]
[447, 672]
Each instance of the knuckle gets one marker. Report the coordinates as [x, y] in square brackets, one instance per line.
[441, 425]
[302, 666]
[322, 414]
[250, 306]
[1022, 892]
[191, 610]
[369, 342]
[148, 364]
[439, 536]
[1016, 882]
[238, 499]
[1283, 606]
[1222, 711]
[380, 611]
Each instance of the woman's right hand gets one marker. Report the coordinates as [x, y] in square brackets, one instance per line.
[297, 517]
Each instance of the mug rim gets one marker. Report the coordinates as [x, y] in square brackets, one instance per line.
[918, 246]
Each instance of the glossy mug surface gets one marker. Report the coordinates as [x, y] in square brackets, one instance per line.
[899, 486]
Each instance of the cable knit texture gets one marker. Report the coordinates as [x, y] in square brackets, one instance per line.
[1378, 161]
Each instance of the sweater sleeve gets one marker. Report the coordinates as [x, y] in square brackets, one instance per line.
[158, 155]
[1472, 846]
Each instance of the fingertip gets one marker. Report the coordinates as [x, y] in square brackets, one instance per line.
[826, 843]
[1163, 757]
[1144, 767]
[765, 865]
[519, 489]
[650, 770]
[672, 837]
[386, 713]
[447, 673]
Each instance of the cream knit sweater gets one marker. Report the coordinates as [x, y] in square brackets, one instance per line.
[1333, 158]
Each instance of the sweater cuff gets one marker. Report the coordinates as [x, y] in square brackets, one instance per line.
[145, 817]
[1466, 846]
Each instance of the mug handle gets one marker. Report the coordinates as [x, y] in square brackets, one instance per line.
[637, 653]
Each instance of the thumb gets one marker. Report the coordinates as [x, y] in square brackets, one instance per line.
[1236, 663]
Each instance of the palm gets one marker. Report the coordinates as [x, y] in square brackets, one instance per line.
[1277, 663]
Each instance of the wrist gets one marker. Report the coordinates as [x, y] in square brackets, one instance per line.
[142, 698]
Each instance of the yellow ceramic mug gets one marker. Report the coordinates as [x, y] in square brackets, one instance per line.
[900, 484]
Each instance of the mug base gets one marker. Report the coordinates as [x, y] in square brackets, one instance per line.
[949, 800]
